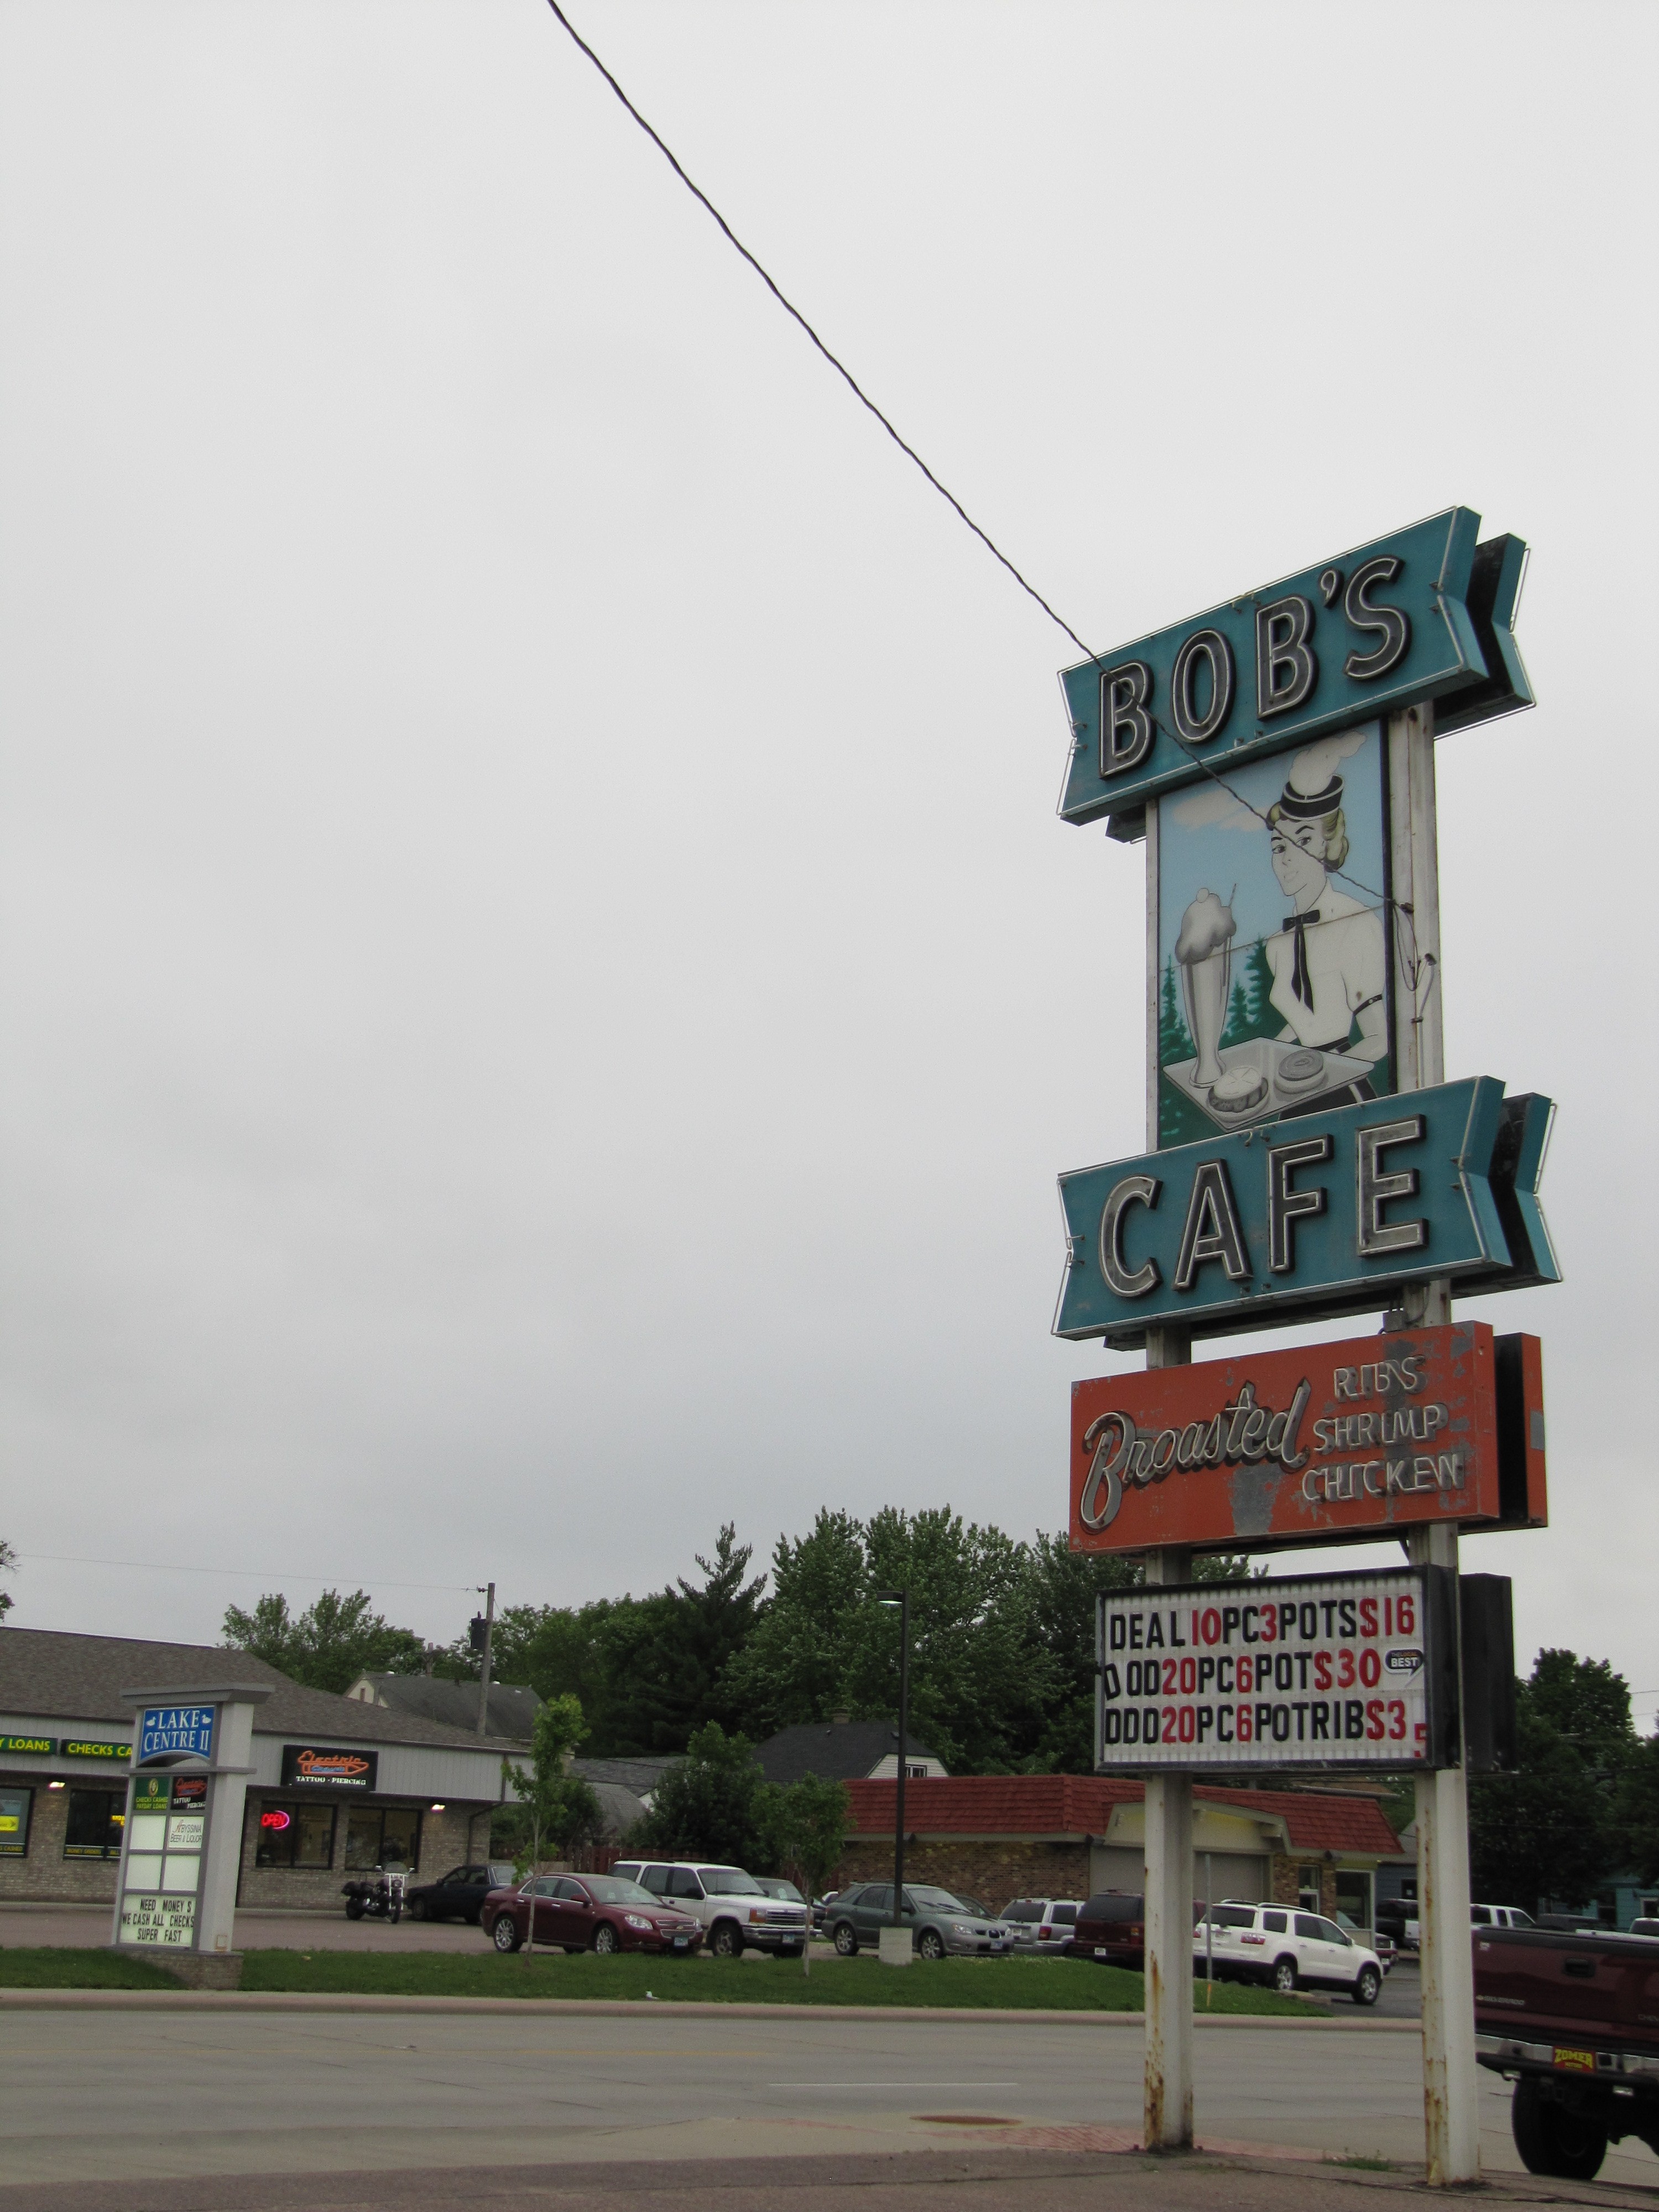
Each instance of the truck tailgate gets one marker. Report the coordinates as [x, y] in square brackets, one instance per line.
[1596, 1989]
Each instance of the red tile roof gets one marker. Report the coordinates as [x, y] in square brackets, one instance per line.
[1081, 1804]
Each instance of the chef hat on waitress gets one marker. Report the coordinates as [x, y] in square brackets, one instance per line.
[1314, 788]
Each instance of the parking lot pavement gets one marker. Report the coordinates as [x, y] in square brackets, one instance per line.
[81, 1926]
[94, 2095]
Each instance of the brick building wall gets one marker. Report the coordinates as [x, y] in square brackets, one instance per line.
[45, 1875]
[994, 1871]
[444, 1842]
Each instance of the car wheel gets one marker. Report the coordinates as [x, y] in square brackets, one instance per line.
[417, 1908]
[354, 1908]
[606, 1940]
[1553, 2141]
[727, 1941]
[845, 1939]
[476, 1915]
[932, 1945]
[1285, 1975]
[1366, 1986]
[505, 1933]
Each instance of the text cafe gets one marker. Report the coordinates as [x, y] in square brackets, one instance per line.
[338, 1786]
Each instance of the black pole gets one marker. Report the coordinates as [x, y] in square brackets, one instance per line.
[903, 1750]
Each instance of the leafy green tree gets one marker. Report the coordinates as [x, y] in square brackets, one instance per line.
[1558, 1827]
[1639, 1811]
[329, 1644]
[561, 1809]
[810, 1821]
[714, 1804]
[674, 1682]
[981, 1682]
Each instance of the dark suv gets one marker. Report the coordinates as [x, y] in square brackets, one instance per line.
[1112, 1930]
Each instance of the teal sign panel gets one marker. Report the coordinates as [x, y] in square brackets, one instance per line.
[1423, 613]
[1330, 1212]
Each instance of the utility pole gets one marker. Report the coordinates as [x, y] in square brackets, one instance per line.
[902, 1600]
[483, 1678]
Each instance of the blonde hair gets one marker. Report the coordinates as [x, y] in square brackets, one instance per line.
[1333, 825]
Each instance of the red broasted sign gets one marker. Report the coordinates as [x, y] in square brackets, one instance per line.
[1274, 1448]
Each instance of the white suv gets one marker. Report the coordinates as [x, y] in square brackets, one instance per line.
[1287, 1949]
[733, 1908]
[1042, 1924]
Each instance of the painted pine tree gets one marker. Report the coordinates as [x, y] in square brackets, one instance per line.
[1174, 1040]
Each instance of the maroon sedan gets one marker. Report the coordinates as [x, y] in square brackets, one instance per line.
[588, 1912]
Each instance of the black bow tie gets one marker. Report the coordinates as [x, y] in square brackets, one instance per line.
[1301, 982]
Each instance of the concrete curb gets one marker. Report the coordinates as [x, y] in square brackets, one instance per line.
[345, 2002]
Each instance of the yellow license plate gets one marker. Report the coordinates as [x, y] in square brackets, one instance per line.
[1579, 2061]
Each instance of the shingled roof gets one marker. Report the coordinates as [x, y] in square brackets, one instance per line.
[834, 1750]
[49, 1673]
[1073, 1806]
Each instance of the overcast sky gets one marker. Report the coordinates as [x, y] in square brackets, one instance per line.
[542, 992]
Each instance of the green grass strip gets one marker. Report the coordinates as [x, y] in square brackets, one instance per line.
[51, 1969]
[1021, 1984]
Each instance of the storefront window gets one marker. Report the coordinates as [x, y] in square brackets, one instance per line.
[1353, 1895]
[96, 1818]
[15, 1822]
[295, 1836]
[388, 1836]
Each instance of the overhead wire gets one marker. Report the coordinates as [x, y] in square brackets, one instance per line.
[833, 360]
[242, 1574]
[1413, 963]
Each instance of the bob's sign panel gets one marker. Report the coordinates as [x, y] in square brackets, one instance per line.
[1274, 1450]
[1319, 1672]
[1423, 613]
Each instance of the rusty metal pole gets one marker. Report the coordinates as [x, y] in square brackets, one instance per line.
[1450, 2075]
[1167, 2111]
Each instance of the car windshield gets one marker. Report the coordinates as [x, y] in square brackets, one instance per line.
[785, 1892]
[1231, 1916]
[1115, 1904]
[1519, 1919]
[729, 1881]
[501, 1874]
[606, 1889]
[1024, 1908]
[939, 1901]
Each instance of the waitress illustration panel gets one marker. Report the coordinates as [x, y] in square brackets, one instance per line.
[1273, 995]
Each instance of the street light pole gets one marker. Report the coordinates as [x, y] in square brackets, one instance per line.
[483, 1675]
[902, 1600]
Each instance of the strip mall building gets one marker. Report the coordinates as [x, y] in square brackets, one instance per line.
[998, 1836]
[338, 1785]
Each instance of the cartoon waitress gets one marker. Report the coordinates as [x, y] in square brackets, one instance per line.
[1329, 960]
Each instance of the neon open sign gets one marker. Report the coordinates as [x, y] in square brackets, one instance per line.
[274, 1819]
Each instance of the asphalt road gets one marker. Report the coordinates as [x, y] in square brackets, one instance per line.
[94, 2094]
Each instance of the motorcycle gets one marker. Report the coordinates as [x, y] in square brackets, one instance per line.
[380, 1897]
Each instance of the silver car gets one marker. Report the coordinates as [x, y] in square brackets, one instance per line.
[940, 1923]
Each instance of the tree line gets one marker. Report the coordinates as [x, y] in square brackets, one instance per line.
[1001, 1643]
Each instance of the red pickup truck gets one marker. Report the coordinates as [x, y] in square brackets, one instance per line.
[1573, 2021]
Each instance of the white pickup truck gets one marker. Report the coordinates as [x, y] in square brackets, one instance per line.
[731, 1906]
[1481, 1916]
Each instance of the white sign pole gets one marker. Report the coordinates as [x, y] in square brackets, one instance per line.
[1168, 2103]
[1450, 2076]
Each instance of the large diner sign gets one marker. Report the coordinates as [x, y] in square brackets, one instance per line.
[1331, 1212]
[1318, 1671]
[1426, 612]
[1272, 1449]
